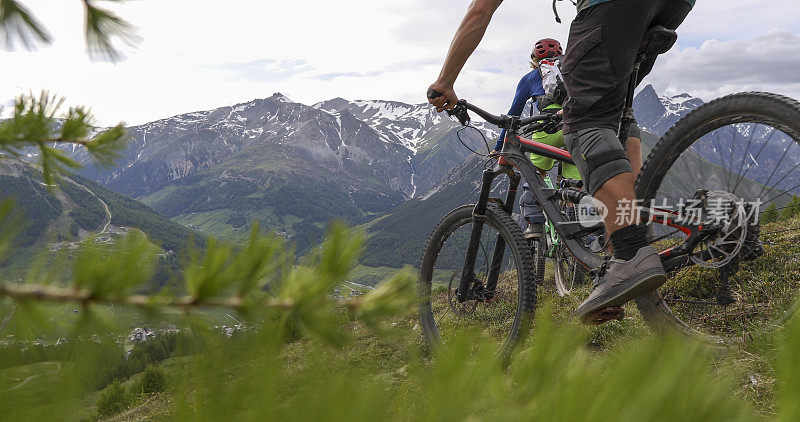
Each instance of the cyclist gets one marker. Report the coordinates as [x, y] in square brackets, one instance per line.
[603, 41]
[530, 86]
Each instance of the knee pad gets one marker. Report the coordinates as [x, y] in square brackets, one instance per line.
[598, 154]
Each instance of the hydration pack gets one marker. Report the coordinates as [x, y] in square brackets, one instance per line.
[553, 83]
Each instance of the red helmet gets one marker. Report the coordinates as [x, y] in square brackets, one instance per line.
[545, 48]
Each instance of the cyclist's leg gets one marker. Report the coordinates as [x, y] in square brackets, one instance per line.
[603, 43]
[544, 164]
[532, 211]
[568, 171]
[529, 208]
[602, 47]
[633, 149]
[556, 140]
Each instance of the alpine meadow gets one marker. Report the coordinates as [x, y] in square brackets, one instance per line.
[261, 256]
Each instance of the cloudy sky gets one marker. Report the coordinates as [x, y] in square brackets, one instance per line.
[202, 54]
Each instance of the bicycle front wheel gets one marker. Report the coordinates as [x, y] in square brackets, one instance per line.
[501, 313]
[739, 149]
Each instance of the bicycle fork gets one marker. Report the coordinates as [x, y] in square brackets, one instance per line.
[469, 286]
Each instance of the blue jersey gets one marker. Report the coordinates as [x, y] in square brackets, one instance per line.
[530, 86]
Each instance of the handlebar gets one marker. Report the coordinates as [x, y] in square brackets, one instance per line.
[502, 121]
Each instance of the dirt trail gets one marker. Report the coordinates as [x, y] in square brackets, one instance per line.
[72, 245]
[108, 211]
[25, 381]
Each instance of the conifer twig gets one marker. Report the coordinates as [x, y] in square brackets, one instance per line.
[65, 294]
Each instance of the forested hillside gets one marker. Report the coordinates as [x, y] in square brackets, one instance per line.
[74, 211]
[126, 212]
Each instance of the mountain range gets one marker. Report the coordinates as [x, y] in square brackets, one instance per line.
[291, 166]
[391, 167]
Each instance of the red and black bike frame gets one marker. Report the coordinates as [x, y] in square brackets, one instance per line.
[516, 166]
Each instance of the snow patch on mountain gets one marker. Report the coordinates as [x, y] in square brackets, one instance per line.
[657, 113]
[681, 104]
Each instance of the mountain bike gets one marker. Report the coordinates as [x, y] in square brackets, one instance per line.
[702, 190]
[567, 272]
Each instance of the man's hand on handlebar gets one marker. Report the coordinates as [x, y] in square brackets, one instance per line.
[443, 97]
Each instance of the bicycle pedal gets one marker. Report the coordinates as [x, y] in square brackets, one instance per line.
[606, 314]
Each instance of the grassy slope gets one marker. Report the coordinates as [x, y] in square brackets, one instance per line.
[750, 365]
[371, 276]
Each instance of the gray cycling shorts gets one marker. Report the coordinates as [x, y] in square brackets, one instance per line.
[598, 154]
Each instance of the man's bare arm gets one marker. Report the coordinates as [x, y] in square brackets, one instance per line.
[466, 39]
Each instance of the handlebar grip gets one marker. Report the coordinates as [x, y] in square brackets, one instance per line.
[432, 94]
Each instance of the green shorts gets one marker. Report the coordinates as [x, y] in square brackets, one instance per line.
[568, 171]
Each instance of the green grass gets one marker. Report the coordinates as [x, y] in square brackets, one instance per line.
[564, 371]
[213, 223]
[28, 377]
[158, 196]
[30, 386]
[371, 276]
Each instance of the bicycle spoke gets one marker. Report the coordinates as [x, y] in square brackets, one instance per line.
[780, 208]
[745, 156]
[755, 159]
[718, 147]
[786, 192]
[786, 151]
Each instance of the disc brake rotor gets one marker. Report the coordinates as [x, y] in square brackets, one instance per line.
[461, 309]
[725, 246]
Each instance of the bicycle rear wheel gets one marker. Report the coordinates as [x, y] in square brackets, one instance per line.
[742, 148]
[504, 315]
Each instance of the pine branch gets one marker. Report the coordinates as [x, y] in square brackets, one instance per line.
[7, 318]
[18, 24]
[86, 297]
[102, 28]
[34, 123]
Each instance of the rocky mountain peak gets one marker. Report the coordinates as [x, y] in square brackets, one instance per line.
[657, 113]
[335, 104]
[280, 97]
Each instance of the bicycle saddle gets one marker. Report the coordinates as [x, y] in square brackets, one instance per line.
[657, 40]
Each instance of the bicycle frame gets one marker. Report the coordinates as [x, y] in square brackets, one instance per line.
[513, 151]
[519, 166]
[568, 232]
[550, 233]
[673, 259]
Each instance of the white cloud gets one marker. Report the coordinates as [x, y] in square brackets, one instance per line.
[767, 63]
[204, 54]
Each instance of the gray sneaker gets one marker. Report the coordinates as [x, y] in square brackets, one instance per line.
[618, 281]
